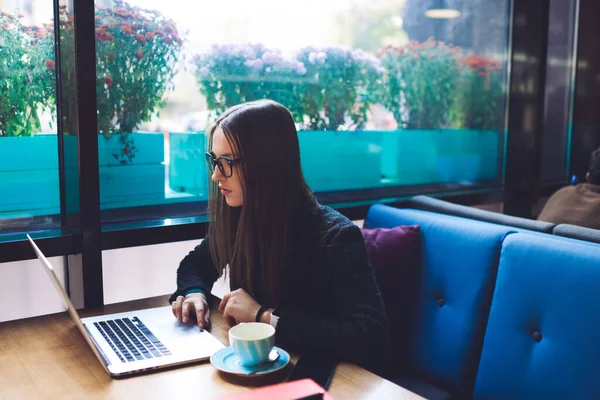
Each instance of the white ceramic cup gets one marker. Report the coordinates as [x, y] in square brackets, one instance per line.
[252, 342]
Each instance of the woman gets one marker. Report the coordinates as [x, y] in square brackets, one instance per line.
[293, 263]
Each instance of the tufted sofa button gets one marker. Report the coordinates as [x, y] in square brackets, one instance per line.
[537, 336]
[441, 301]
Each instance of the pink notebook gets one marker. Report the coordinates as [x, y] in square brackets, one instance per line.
[295, 390]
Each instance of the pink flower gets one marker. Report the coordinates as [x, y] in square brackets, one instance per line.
[50, 65]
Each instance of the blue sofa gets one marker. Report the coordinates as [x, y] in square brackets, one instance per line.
[500, 313]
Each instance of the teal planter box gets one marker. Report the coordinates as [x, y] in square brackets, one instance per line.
[29, 176]
[331, 160]
[352, 160]
[139, 183]
[342, 160]
[29, 184]
[420, 157]
[187, 165]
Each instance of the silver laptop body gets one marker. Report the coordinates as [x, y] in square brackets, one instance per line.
[137, 341]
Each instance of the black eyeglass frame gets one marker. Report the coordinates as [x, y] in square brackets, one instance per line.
[213, 162]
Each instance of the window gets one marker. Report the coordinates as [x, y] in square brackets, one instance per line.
[559, 92]
[29, 174]
[402, 97]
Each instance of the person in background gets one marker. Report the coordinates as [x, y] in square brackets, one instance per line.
[579, 204]
[292, 263]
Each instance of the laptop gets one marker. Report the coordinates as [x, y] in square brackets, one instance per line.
[137, 341]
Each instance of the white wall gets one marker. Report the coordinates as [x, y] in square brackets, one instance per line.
[140, 272]
[128, 274]
[26, 290]
[147, 271]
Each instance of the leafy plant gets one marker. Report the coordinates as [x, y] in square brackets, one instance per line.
[422, 83]
[27, 69]
[137, 51]
[478, 100]
[232, 74]
[338, 86]
[321, 87]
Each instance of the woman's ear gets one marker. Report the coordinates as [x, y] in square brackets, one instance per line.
[587, 177]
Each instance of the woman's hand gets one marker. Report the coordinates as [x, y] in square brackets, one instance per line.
[192, 305]
[238, 306]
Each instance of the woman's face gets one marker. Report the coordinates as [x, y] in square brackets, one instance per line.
[230, 187]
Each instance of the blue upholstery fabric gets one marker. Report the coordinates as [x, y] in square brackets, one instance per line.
[547, 289]
[459, 265]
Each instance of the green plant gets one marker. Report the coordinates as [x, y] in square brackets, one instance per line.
[480, 93]
[341, 83]
[322, 88]
[421, 83]
[232, 74]
[137, 51]
[27, 70]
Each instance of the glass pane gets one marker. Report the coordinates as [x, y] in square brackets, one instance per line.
[405, 95]
[559, 90]
[29, 177]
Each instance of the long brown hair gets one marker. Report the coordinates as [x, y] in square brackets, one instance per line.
[257, 239]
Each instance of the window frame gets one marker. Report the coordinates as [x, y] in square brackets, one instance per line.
[83, 233]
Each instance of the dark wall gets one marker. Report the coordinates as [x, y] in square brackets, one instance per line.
[586, 117]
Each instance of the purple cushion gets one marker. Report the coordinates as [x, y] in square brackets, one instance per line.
[395, 257]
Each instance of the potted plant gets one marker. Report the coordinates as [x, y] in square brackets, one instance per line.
[423, 84]
[341, 84]
[137, 52]
[327, 89]
[471, 155]
[480, 93]
[422, 80]
[26, 61]
[334, 94]
[232, 74]
[26, 90]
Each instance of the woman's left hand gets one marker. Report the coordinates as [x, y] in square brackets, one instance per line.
[238, 306]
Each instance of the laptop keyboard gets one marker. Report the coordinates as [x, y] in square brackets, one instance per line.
[131, 340]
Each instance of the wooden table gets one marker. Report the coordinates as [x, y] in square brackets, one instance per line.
[46, 357]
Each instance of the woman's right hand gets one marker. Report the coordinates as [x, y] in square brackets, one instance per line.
[190, 306]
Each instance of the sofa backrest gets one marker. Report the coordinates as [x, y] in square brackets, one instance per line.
[444, 207]
[543, 334]
[577, 232]
[458, 271]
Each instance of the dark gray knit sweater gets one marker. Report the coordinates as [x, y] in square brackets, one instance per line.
[332, 303]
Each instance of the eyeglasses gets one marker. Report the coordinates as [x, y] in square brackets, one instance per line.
[225, 164]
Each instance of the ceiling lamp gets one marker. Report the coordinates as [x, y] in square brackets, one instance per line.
[440, 11]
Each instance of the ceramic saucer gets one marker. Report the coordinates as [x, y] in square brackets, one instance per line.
[225, 360]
